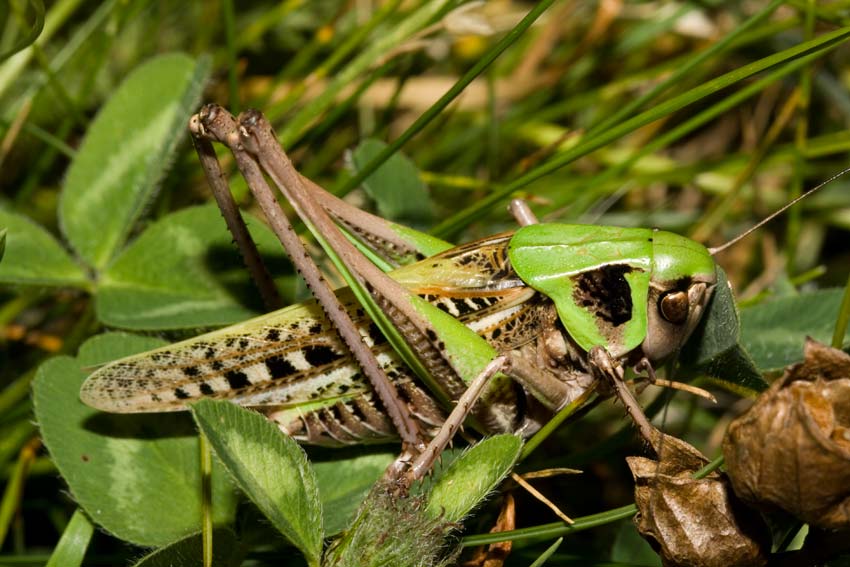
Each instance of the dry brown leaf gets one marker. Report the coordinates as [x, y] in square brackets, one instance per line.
[791, 450]
[693, 522]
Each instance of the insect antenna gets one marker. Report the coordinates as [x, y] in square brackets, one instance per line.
[775, 214]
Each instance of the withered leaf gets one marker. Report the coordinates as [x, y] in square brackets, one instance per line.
[689, 521]
[791, 450]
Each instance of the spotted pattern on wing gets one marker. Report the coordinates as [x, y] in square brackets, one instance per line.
[292, 366]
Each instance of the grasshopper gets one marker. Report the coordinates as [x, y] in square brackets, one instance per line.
[564, 310]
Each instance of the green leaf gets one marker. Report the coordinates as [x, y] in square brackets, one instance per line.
[138, 476]
[540, 561]
[471, 477]
[182, 272]
[125, 154]
[630, 548]
[33, 256]
[71, 549]
[344, 483]
[395, 186]
[775, 331]
[33, 27]
[188, 552]
[715, 346]
[2, 243]
[269, 467]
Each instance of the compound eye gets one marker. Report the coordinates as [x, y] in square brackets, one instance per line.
[674, 306]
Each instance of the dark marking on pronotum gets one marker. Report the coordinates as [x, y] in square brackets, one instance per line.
[273, 335]
[237, 379]
[279, 367]
[605, 292]
[206, 389]
[319, 355]
[191, 371]
[180, 394]
[315, 329]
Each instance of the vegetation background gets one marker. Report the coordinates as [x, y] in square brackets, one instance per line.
[695, 117]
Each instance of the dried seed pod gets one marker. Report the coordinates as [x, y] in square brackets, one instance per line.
[791, 450]
[694, 521]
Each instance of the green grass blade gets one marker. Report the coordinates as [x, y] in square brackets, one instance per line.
[554, 529]
[348, 75]
[71, 549]
[447, 98]
[541, 561]
[819, 45]
[843, 318]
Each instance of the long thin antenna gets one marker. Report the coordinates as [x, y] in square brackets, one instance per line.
[769, 218]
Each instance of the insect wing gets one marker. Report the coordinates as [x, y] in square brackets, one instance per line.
[282, 358]
[292, 358]
[481, 266]
[598, 278]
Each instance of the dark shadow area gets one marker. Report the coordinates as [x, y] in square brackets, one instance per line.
[142, 425]
[323, 454]
[226, 263]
